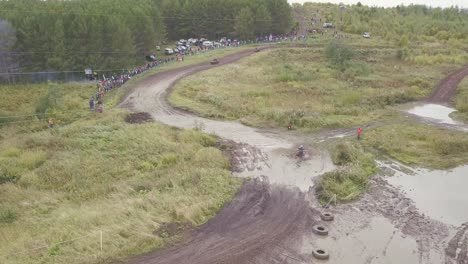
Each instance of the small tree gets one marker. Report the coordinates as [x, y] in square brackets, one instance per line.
[339, 54]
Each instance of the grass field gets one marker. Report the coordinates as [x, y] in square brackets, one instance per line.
[138, 184]
[422, 145]
[298, 85]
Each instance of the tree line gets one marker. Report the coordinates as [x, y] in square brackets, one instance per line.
[57, 35]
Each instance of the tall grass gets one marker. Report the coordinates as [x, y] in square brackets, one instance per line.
[94, 172]
[105, 174]
[351, 179]
[421, 145]
[289, 85]
[461, 100]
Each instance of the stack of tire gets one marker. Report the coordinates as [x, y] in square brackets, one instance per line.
[322, 230]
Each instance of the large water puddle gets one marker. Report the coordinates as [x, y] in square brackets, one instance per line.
[441, 195]
[378, 242]
[435, 112]
[283, 168]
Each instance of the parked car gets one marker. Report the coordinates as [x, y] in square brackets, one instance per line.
[366, 35]
[168, 51]
[207, 43]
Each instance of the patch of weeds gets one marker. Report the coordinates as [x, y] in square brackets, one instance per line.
[350, 180]
[54, 250]
[7, 215]
[8, 175]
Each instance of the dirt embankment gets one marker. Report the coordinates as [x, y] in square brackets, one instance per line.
[447, 88]
[263, 224]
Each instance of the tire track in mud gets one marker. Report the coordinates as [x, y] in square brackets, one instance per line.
[268, 218]
[447, 88]
[261, 225]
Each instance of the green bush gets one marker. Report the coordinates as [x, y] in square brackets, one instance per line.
[339, 54]
[350, 180]
[7, 215]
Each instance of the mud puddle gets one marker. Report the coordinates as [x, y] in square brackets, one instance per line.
[376, 241]
[437, 113]
[283, 168]
[439, 194]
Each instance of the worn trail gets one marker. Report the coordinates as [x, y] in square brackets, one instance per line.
[447, 88]
[270, 219]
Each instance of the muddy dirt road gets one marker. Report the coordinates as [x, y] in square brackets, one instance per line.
[243, 231]
[447, 88]
[270, 220]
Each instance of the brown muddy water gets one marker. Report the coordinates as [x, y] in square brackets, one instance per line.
[375, 241]
[439, 194]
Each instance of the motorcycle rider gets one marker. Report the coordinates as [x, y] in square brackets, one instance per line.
[300, 151]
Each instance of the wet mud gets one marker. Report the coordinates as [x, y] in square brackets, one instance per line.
[138, 118]
[261, 225]
[270, 220]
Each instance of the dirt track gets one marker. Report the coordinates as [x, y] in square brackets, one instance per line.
[270, 220]
[447, 88]
[261, 225]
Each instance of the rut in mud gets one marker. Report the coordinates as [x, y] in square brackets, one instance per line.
[447, 88]
[263, 224]
[270, 218]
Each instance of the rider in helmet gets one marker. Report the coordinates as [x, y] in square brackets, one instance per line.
[300, 151]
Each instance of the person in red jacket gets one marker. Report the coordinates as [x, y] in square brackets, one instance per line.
[359, 132]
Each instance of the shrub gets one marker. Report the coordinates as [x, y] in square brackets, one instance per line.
[339, 54]
[351, 179]
[7, 215]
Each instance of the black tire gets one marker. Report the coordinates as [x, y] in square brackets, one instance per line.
[327, 216]
[320, 254]
[320, 230]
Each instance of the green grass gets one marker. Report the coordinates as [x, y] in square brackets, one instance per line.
[461, 100]
[351, 179]
[275, 87]
[95, 172]
[101, 173]
[421, 145]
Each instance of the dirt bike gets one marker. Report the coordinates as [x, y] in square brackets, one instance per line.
[300, 153]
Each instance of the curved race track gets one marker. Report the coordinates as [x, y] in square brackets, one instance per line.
[271, 218]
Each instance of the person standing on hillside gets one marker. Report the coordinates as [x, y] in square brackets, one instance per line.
[91, 104]
[100, 107]
[51, 123]
[359, 132]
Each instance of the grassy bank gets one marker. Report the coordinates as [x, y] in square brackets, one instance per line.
[299, 86]
[421, 145]
[461, 101]
[351, 178]
[138, 184]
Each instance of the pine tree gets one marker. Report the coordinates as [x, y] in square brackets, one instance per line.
[245, 24]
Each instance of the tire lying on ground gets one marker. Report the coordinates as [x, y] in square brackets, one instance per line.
[320, 254]
[320, 230]
[327, 216]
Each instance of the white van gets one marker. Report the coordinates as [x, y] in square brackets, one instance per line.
[168, 51]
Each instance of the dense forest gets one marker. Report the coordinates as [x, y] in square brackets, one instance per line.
[57, 35]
